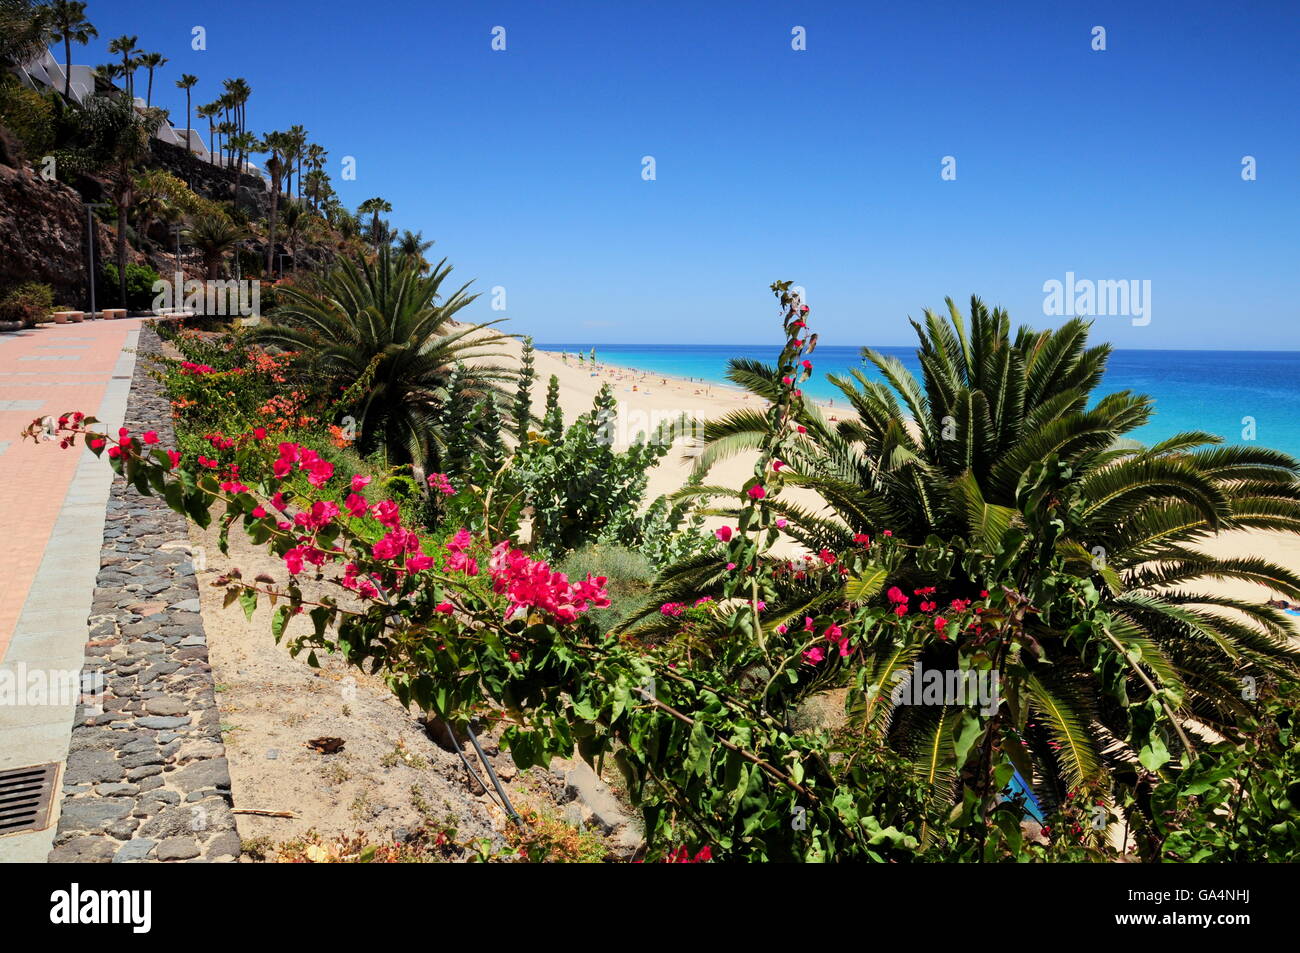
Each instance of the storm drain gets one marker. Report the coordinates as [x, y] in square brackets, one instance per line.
[25, 798]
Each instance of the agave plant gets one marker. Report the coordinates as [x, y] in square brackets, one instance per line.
[1003, 453]
[385, 331]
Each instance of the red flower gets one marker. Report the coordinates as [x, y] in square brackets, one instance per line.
[757, 492]
[151, 436]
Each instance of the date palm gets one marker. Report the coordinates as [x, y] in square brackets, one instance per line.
[213, 235]
[69, 23]
[383, 322]
[126, 46]
[151, 62]
[1003, 445]
[187, 82]
[279, 145]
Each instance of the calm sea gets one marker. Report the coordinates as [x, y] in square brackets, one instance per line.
[1193, 390]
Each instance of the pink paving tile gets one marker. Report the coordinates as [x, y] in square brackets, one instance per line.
[34, 479]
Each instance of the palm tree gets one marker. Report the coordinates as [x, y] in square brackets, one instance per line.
[297, 150]
[119, 137]
[374, 207]
[153, 199]
[412, 247]
[1003, 446]
[294, 221]
[240, 146]
[226, 130]
[186, 82]
[209, 112]
[279, 145]
[126, 45]
[151, 62]
[25, 30]
[384, 322]
[68, 19]
[237, 94]
[213, 235]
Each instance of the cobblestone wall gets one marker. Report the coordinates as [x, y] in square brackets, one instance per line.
[147, 778]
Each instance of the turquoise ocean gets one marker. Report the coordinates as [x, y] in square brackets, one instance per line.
[1215, 391]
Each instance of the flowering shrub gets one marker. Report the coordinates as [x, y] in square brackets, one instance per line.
[699, 723]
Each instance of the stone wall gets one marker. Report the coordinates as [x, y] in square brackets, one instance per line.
[147, 778]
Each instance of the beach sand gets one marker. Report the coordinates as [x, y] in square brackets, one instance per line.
[645, 398]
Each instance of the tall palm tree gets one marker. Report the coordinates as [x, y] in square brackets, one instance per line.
[374, 207]
[1003, 446]
[151, 62]
[126, 46]
[297, 150]
[187, 82]
[119, 137]
[226, 131]
[68, 19]
[213, 235]
[385, 322]
[242, 145]
[279, 145]
[294, 222]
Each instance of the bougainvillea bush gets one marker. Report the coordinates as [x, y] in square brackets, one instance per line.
[706, 719]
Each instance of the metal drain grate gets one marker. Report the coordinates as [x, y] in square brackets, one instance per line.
[25, 798]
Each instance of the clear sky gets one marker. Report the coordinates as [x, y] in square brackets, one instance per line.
[821, 165]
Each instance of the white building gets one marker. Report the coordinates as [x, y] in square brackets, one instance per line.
[47, 72]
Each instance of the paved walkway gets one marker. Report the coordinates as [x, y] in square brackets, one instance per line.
[52, 506]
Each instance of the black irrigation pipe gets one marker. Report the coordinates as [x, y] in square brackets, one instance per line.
[496, 783]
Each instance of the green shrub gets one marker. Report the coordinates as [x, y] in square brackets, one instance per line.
[30, 116]
[139, 286]
[30, 303]
[630, 575]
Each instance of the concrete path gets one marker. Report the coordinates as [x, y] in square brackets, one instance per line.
[52, 510]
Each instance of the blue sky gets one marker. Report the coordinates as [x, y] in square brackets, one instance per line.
[821, 166]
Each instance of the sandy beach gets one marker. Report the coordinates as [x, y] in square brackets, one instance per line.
[646, 398]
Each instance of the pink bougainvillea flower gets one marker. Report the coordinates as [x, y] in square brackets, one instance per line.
[862, 539]
[114, 452]
[723, 533]
[801, 428]
[900, 610]
[781, 629]
[827, 557]
[673, 609]
[150, 436]
[888, 532]
[445, 608]
[293, 560]
[777, 465]
[259, 433]
[895, 594]
[359, 483]
[814, 655]
[356, 505]
[782, 523]
[95, 442]
[757, 492]
[440, 483]
[730, 566]
[387, 513]
[940, 623]
[259, 511]
[515, 656]
[460, 542]
[174, 457]
[419, 563]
